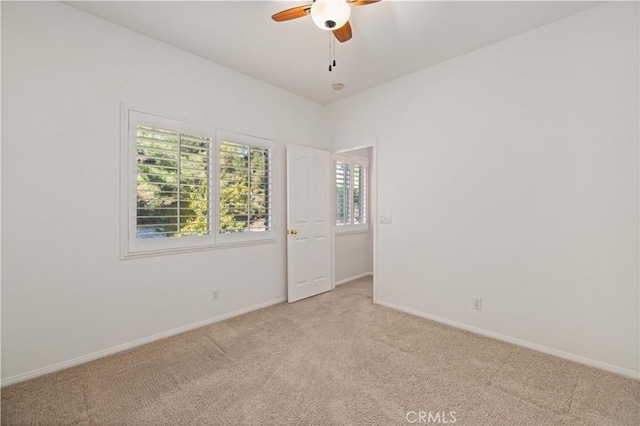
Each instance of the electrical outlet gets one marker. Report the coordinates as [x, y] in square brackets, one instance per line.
[477, 303]
[385, 219]
[215, 295]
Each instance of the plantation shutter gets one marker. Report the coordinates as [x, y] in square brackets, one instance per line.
[359, 194]
[343, 193]
[173, 174]
[245, 188]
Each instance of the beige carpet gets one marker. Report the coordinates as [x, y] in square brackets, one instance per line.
[334, 359]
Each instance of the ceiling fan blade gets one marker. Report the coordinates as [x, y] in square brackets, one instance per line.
[362, 2]
[293, 13]
[343, 33]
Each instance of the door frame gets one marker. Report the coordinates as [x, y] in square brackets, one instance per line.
[373, 210]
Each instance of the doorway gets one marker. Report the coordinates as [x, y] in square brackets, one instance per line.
[331, 212]
[354, 213]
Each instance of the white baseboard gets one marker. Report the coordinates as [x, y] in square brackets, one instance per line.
[550, 351]
[139, 342]
[356, 277]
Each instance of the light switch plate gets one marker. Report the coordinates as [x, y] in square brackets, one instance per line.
[385, 219]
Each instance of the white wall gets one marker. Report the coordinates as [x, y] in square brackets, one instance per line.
[354, 251]
[65, 292]
[354, 256]
[512, 174]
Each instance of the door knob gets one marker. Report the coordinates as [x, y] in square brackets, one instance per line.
[293, 232]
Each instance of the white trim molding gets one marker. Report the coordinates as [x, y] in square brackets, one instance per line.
[135, 343]
[523, 343]
[356, 277]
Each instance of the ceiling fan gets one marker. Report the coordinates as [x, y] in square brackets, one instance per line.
[332, 15]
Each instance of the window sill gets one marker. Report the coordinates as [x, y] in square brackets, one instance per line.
[164, 252]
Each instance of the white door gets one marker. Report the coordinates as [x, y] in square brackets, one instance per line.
[308, 222]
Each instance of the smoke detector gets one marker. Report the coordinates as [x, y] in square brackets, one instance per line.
[337, 86]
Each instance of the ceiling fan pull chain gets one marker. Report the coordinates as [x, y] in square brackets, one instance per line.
[330, 36]
[334, 50]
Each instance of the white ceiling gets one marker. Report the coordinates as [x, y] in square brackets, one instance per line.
[390, 38]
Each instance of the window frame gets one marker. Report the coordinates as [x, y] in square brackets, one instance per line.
[353, 161]
[131, 246]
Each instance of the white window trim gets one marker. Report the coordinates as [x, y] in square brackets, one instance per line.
[351, 228]
[130, 246]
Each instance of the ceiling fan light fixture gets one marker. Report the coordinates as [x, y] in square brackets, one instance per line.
[330, 14]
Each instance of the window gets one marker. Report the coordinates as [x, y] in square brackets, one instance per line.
[187, 189]
[173, 171]
[359, 194]
[343, 193]
[245, 187]
[351, 193]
